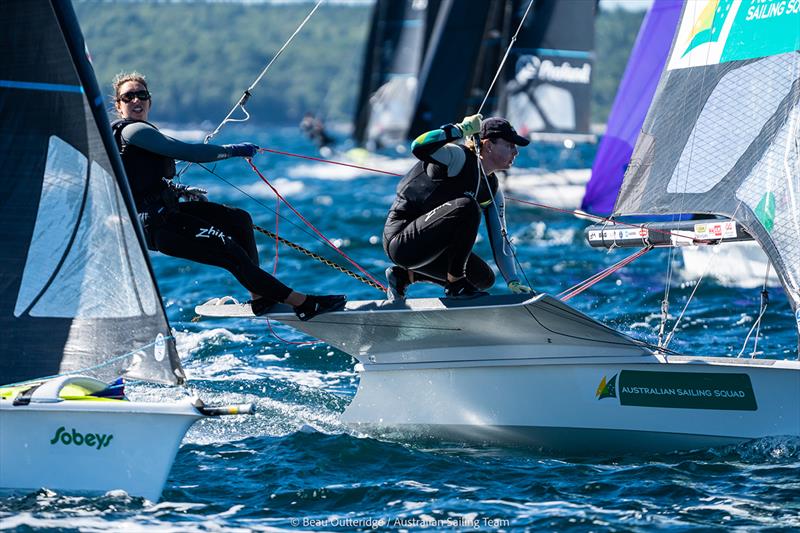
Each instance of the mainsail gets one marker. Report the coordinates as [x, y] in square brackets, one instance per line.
[548, 74]
[77, 291]
[392, 59]
[647, 59]
[723, 134]
[462, 33]
[545, 86]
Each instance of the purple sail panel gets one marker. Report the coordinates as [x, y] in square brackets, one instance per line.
[630, 105]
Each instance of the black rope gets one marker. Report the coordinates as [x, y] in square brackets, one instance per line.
[318, 257]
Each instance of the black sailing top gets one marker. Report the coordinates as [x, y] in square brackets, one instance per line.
[446, 172]
[149, 158]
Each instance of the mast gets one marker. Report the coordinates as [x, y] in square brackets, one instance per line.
[444, 79]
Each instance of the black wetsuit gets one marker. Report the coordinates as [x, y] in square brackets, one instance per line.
[205, 232]
[433, 222]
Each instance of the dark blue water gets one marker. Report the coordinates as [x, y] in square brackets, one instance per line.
[295, 466]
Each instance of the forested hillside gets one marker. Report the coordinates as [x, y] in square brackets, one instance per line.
[199, 56]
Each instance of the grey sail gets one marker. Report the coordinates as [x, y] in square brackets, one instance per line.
[456, 55]
[72, 259]
[396, 42]
[721, 136]
[548, 74]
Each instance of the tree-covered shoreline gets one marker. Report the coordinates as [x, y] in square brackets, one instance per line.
[199, 57]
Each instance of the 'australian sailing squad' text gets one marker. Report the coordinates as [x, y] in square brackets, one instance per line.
[694, 393]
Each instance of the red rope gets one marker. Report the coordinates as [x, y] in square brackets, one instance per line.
[328, 161]
[595, 278]
[310, 225]
[277, 241]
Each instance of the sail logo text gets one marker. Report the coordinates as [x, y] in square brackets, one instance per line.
[92, 440]
[761, 9]
[530, 67]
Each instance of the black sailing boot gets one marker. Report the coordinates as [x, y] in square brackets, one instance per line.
[315, 305]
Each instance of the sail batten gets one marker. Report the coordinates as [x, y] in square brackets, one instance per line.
[77, 293]
[721, 136]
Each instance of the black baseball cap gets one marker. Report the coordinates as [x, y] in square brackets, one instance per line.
[496, 127]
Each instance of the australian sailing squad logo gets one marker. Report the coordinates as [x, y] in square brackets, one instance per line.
[703, 32]
[717, 31]
[680, 390]
[607, 389]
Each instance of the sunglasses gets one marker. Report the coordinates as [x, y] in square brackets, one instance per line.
[130, 95]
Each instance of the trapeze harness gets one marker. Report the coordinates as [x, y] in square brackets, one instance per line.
[148, 176]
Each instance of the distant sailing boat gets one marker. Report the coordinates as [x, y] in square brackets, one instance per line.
[544, 88]
[535, 371]
[397, 39]
[78, 303]
[545, 85]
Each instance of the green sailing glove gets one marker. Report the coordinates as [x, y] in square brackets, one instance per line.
[518, 288]
[471, 125]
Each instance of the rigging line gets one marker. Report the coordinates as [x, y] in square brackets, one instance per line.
[313, 228]
[580, 287]
[749, 333]
[763, 302]
[247, 93]
[329, 161]
[501, 219]
[289, 243]
[505, 56]
[686, 305]
[259, 202]
[313, 255]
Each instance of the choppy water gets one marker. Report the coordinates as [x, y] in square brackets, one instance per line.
[295, 466]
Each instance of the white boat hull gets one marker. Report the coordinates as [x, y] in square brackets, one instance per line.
[503, 369]
[91, 446]
[556, 405]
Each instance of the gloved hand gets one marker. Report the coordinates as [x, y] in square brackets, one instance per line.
[241, 149]
[191, 194]
[518, 288]
[471, 125]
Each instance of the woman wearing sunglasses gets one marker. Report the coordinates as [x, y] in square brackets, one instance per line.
[178, 220]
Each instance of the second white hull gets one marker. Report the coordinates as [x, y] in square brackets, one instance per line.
[91, 446]
[526, 370]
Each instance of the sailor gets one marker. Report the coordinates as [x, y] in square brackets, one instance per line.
[434, 220]
[313, 128]
[178, 220]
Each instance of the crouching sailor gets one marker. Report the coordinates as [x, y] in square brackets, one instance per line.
[195, 229]
[434, 220]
